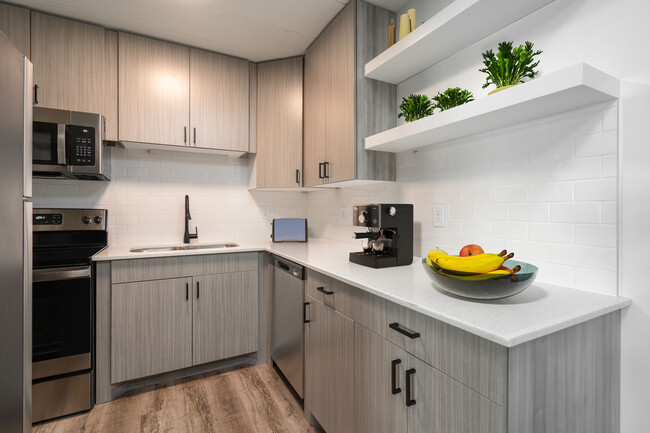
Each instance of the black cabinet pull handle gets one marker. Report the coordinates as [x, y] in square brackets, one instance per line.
[304, 313]
[35, 94]
[404, 331]
[326, 171]
[187, 291]
[298, 176]
[393, 376]
[184, 134]
[320, 170]
[409, 401]
[194, 140]
[323, 291]
[197, 290]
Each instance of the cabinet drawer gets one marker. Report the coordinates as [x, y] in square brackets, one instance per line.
[181, 266]
[477, 363]
[331, 292]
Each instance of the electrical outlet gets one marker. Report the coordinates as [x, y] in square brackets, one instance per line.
[267, 213]
[438, 215]
[342, 217]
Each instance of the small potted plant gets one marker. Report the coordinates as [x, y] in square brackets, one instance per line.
[415, 107]
[452, 97]
[510, 65]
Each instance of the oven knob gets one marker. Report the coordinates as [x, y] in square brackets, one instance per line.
[86, 220]
[392, 211]
[98, 219]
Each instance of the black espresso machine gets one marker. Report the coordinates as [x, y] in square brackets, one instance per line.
[388, 236]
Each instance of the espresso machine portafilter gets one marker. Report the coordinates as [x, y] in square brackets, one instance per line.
[389, 234]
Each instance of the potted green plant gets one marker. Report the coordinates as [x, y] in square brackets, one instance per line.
[510, 65]
[452, 97]
[415, 107]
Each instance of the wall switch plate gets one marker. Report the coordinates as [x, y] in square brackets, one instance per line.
[438, 215]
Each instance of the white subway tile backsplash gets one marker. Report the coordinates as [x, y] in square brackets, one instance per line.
[531, 173]
[608, 213]
[595, 235]
[551, 232]
[530, 251]
[596, 190]
[510, 230]
[605, 143]
[550, 192]
[532, 212]
[610, 166]
[575, 212]
[574, 126]
[610, 119]
[583, 168]
[596, 280]
[510, 194]
[589, 257]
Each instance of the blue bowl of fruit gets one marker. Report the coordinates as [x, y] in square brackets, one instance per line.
[475, 274]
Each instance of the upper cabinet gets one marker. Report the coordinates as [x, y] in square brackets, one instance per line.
[14, 23]
[278, 163]
[154, 91]
[72, 65]
[341, 106]
[219, 100]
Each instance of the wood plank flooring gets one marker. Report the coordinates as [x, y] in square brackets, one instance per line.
[244, 400]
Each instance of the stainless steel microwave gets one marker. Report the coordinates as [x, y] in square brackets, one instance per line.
[70, 144]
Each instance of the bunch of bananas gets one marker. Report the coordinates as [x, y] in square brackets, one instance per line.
[471, 268]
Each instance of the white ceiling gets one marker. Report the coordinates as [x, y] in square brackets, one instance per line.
[257, 30]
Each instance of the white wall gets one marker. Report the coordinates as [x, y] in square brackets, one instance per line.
[146, 198]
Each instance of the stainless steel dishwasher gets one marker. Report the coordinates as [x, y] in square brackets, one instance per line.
[287, 320]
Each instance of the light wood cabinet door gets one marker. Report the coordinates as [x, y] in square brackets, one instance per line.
[315, 100]
[154, 91]
[225, 316]
[340, 109]
[278, 162]
[14, 23]
[219, 101]
[378, 384]
[329, 368]
[443, 405]
[69, 63]
[151, 328]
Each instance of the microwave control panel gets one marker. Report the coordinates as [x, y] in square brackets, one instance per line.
[81, 145]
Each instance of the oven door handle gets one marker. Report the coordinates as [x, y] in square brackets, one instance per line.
[60, 144]
[59, 274]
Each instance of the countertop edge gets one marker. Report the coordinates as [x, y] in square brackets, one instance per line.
[507, 340]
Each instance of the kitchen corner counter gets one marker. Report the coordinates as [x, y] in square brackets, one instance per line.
[538, 311]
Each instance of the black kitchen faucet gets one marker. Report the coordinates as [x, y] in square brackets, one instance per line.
[187, 236]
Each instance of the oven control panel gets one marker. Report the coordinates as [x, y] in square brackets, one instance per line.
[48, 219]
[81, 145]
[69, 219]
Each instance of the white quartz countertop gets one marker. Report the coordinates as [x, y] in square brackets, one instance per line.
[540, 310]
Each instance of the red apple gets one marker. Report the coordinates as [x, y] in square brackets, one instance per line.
[471, 250]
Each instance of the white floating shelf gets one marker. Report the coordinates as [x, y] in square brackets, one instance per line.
[458, 26]
[567, 89]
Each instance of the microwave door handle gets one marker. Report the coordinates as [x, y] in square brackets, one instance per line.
[60, 144]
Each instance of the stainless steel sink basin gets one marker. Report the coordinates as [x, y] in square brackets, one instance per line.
[184, 247]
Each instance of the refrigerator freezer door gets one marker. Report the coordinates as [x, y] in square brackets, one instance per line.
[15, 266]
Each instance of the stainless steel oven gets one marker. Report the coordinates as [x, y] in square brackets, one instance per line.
[70, 144]
[63, 306]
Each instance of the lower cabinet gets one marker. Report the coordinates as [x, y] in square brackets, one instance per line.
[329, 368]
[397, 392]
[151, 328]
[164, 325]
[225, 316]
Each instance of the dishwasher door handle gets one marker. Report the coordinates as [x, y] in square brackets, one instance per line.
[304, 312]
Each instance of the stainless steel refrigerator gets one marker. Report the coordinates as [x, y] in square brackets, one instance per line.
[16, 239]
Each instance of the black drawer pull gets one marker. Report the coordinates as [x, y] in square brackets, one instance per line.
[35, 94]
[298, 176]
[187, 291]
[320, 170]
[409, 401]
[304, 313]
[197, 290]
[323, 291]
[326, 171]
[393, 376]
[404, 331]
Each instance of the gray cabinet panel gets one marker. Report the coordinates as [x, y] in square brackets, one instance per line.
[151, 328]
[15, 24]
[225, 316]
[329, 368]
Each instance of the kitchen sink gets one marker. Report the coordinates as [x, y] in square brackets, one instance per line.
[184, 247]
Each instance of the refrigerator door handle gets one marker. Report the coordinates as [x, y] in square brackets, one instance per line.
[60, 144]
[28, 127]
[27, 314]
